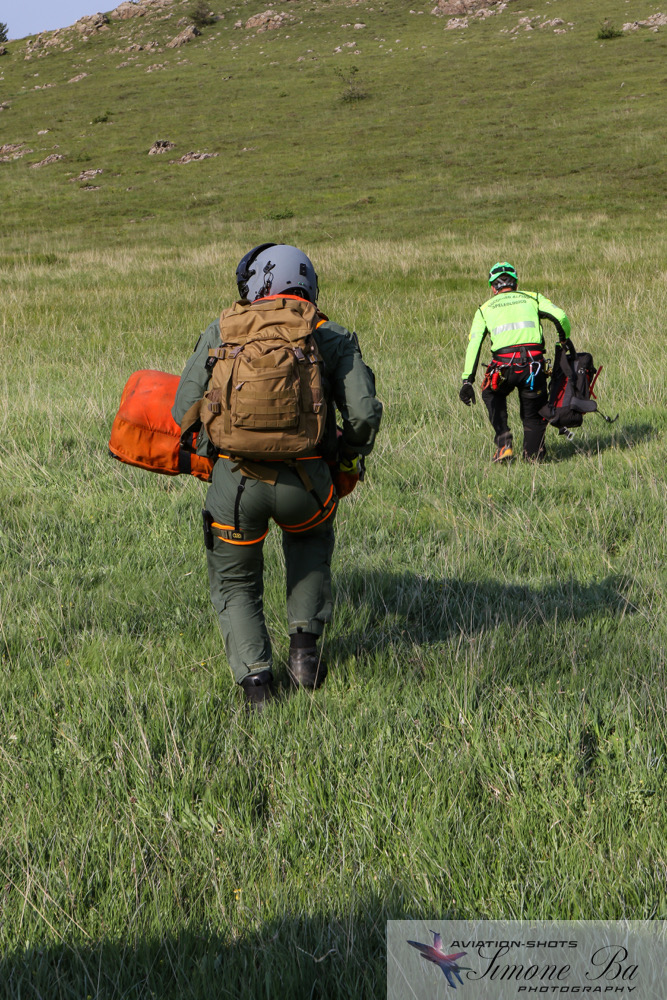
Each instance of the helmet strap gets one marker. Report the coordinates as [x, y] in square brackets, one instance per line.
[503, 284]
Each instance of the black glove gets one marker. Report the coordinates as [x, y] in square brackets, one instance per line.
[467, 394]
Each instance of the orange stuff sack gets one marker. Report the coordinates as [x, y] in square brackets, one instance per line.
[145, 434]
[344, 482]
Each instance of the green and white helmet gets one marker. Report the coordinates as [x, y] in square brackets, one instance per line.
[504, 274]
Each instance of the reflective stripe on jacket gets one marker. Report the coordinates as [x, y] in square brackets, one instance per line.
[511, 318]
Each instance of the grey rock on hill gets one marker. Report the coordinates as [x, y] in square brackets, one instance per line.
[460, 8]
[126, 10]
[94, 22]
[161, 146]
[187, 35]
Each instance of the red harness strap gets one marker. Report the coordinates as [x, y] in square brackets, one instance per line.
[529, 354]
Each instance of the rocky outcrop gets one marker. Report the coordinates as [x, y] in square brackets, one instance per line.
[13, 151]
[269, 20]
[39, 45]
[557, 24]
[161, 146]
[461, 8]
[464, 13]
[53, 158]
[87, 175]
[655, 21]
[94, 22]
[189, 157]
[127, 10]
[34, 46]
[187, 35]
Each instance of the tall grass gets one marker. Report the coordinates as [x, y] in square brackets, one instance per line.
[491, 738]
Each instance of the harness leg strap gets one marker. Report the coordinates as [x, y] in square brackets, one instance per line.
[237, 504]
[308, 484]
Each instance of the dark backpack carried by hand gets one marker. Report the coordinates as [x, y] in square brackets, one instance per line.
[574, 375]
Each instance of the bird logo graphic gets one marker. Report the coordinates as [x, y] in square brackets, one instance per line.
[448, 963]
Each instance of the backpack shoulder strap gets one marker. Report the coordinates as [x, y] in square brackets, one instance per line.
[190, 424]
[568, 358]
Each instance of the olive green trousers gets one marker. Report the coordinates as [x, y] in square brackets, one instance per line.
[241, 509]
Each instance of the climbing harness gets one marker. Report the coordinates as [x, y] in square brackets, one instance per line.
[517, 360]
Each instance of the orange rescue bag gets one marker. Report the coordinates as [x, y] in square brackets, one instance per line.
[145, 434]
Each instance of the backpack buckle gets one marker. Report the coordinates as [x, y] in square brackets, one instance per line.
[215, 354]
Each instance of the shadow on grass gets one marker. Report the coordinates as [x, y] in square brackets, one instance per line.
[401, 611]
[327, 956]
[621, 437]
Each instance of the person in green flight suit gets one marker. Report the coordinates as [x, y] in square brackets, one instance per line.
[512, 320]
[245, 496]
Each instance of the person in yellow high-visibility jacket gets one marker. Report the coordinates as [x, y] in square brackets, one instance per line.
[512, 320]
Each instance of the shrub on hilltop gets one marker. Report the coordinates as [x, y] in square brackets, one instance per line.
[201, 15]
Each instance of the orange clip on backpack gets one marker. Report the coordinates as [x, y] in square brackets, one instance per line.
[145, 434]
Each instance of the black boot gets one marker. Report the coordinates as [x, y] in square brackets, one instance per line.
[305, 665]
[258, 689]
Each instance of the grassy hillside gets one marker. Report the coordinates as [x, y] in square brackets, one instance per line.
[459, 129]
[491, 738]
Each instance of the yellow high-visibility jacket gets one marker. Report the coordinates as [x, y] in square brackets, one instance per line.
[511, 319]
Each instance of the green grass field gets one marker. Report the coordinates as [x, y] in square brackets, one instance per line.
[491, 738]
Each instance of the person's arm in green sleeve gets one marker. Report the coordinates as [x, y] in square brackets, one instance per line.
[478, 331]
[547, 310]
[195, 377]
[353, 387]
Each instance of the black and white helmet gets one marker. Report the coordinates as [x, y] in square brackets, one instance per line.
[276, 269]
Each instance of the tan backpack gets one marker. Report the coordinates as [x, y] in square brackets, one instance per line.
[265, 398]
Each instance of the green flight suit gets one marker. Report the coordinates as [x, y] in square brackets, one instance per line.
[304, 506]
